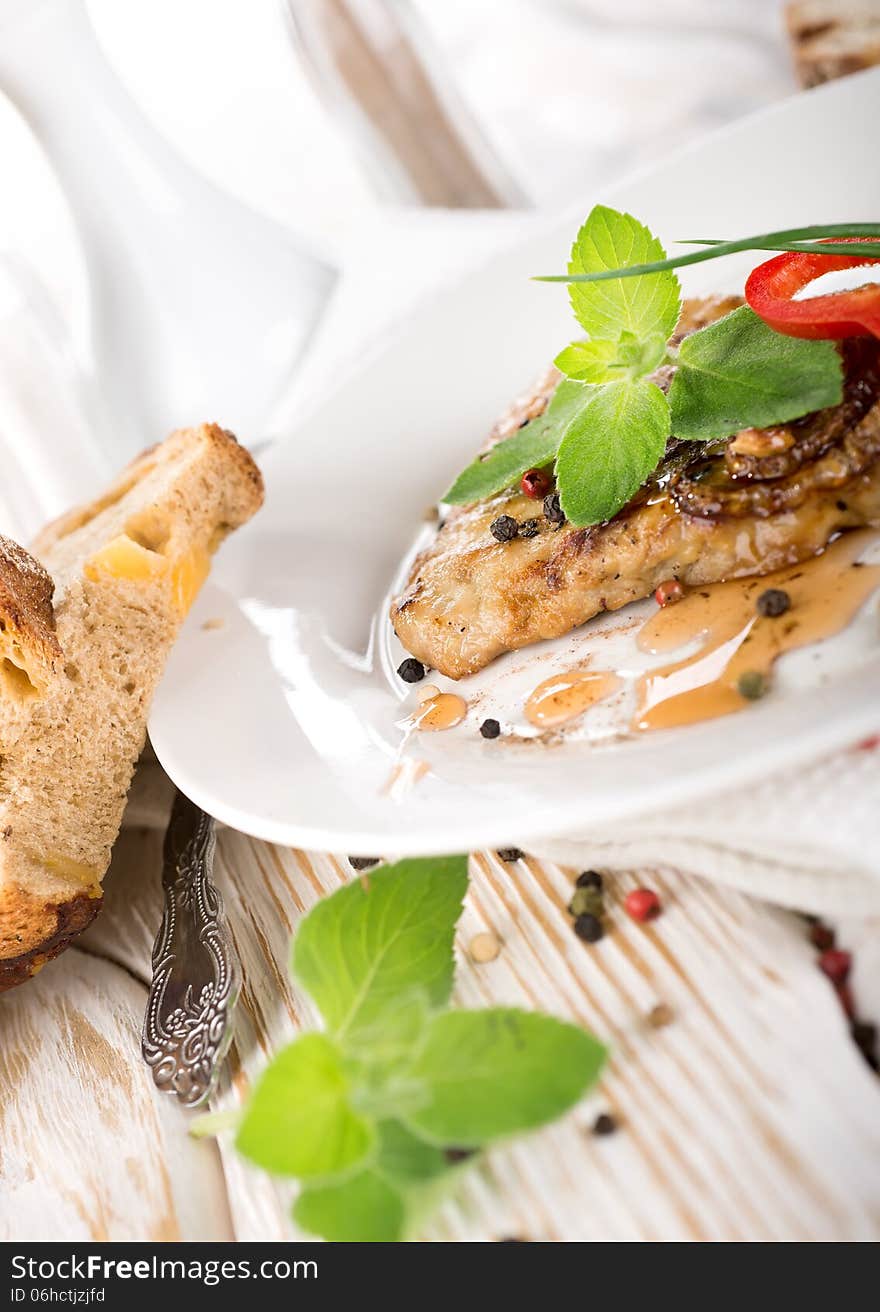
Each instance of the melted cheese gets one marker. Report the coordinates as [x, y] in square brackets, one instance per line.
[123, 558]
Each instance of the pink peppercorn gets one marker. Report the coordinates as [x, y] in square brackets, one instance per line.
[642, 904]
[668, 593]
[535, 483]
[836, 965]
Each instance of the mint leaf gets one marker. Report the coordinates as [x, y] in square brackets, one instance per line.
[365, 1209]
[299, 1120]
[531, 447]
[362, 948]
[646, 307]
[590, 362]
[381, 1202]
[603, 362]
[739, 373]
[640, 356]
[610, 448]
[496, 1072]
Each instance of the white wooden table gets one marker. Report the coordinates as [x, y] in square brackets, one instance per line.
[750, 1116]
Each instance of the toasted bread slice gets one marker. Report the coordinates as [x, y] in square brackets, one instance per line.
[832, 38]
[84, 636]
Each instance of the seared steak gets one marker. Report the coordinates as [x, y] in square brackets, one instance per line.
[748, 504]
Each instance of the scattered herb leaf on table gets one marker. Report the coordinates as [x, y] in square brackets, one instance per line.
[364, 1115]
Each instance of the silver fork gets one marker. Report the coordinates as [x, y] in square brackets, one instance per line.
[196, 976]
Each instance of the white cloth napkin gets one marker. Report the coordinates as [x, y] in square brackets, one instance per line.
[808, 840]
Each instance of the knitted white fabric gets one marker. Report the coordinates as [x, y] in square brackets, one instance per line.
[808, 839]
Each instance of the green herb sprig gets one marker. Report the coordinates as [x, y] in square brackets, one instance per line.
[607, 425]
[808, 240]
[364, 1114]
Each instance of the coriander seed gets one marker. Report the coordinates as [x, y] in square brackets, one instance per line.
[483, 947]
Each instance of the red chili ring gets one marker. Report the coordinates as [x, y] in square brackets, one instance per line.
[771, 288]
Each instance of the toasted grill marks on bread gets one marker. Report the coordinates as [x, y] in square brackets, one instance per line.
[125, 570]
[470, 598]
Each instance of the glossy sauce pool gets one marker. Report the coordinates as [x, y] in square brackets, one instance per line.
[728, 639]
[825, 594]
[566, 696]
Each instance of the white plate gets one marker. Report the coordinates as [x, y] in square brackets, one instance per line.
[284, 720]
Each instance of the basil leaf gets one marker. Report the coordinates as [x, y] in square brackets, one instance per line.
[740, 373]
[360, 950]
[365, 1209]
[531, 447]
[496, 1072]
[610, 448]
[646, 307]
[299, 1120]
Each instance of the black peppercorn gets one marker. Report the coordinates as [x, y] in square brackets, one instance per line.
[510, 854]
[363, 862]
[589, 928]
[490, 728]
[552, 509]
[604, 1124]
[411, 670]
[773, 602]
[504, 528]
[589, 879]
[455, 1155]
[529, 528]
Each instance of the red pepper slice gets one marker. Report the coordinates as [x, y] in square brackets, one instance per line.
[771, 288]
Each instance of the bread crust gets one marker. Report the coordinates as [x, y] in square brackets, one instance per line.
[52, 926]
[84, 636]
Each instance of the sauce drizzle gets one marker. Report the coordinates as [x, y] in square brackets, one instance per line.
[565, 696]
[444, 711]
[825, 592]
[731, 640]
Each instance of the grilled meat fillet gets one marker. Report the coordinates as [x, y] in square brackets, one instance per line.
[749, 504]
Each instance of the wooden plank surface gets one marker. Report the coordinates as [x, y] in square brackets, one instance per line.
[749, 1116]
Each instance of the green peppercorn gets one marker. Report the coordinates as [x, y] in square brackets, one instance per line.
[751, 684]
[586, 901]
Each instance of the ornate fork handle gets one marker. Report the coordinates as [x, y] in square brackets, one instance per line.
[196, 976]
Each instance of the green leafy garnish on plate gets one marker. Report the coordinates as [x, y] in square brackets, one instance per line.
[606, 427]
[365, 1114]
[531, 447]
[644, 307]
[620, 437]
[738, 373]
